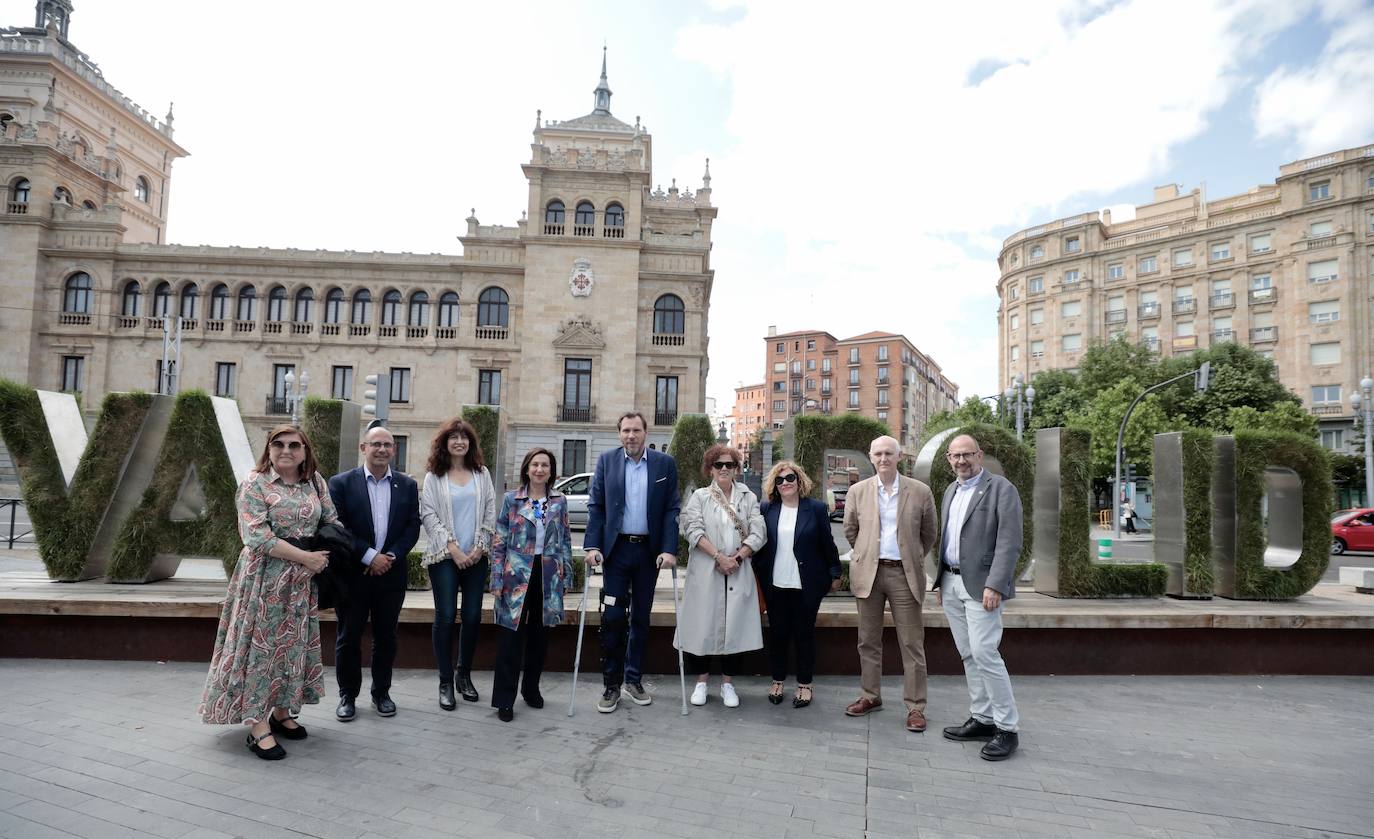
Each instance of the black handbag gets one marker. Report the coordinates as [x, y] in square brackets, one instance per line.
[332, 584]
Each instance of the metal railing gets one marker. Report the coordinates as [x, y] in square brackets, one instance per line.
[276, 405]
[665, 417]
[576, 413]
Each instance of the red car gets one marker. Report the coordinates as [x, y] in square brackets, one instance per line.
[1352, 530]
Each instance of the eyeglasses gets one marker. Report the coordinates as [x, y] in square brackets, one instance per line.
[787, 479]
[723, 464]
[963, 455]
[376, 445]
[293, 446]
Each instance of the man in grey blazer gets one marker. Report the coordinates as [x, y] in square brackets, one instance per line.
[981, 526]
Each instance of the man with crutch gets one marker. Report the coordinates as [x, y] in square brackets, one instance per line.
[631, 520]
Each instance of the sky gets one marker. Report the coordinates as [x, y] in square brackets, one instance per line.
[866, 165]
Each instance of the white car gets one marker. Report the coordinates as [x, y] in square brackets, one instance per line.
[576, 488]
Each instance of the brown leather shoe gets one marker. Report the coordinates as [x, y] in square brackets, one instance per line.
[862, 706]
[915, 721]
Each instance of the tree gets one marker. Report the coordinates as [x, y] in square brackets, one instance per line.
[1058, 398]
[1240, 377]
[1284, 416]
[974, 411]
[1103, 420]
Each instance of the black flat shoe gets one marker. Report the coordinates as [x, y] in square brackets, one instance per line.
[384, 706]
[446, 700]
[346, 710]
[505, 714]
[1001, 747]
[775, 693]
[971, 730]
[800, 701]
[534, 700]
[280, 729]
[276, 752]
[466, 689]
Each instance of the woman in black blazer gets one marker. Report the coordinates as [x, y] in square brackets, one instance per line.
[797, 566]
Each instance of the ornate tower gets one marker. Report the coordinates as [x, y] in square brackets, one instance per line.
[53, 13]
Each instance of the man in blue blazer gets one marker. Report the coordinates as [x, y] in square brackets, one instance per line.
[631, 516]
[381, 508]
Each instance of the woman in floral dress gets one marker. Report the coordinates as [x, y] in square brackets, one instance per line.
[267, 663]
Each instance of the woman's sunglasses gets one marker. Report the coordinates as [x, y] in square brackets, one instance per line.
[294, 445]
[787, 479]
[723, 464]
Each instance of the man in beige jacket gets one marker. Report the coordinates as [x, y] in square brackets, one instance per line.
[890, 521]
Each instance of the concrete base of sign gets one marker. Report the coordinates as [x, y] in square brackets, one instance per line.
[1361, 578]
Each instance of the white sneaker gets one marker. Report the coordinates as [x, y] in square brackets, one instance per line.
[728, 695]
[699, 694]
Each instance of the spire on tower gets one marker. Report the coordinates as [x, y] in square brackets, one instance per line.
[603, 90]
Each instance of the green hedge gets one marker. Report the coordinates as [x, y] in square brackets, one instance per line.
[1018, 466]
[487, 421]
[1256, 450]
[692, 436]
[322, 421]
[193, 440]
[1079, 576]
[1199, 456]
[814, 434]
[65, 522]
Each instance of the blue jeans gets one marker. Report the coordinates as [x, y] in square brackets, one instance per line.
[629, 579]
[445, 580]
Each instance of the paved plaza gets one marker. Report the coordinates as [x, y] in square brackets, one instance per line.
[114, 749]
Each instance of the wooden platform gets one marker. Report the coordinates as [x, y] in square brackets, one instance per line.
[1330, 630]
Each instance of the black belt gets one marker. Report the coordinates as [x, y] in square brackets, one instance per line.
[953, 569]
[896, 562]
[634, 538]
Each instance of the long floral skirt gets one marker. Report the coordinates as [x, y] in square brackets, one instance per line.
[267, 650]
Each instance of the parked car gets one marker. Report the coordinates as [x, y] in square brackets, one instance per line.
[1352, 530]
[576, 487]
[837, 497]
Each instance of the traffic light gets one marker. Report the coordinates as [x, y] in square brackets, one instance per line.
[1203, 376]
[378, 398]
[1129, 477]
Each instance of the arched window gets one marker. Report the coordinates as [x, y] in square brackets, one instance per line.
[219, 302]
[391, 308]
[333, 306]
[584, 223]
[162, 300]
[362, 307]
[304, 300]
[19, 193]
[248, 304]
[128, 306]
[554, 213]
[493, 307]
[615, 215]
[62, 195]
[76, 294]
[89, 205]
[669, 315]
[448, 309]
[419, 309]
[141, 189]
[276, 304]
[188, 301]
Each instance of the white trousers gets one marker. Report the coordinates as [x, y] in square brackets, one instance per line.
[978, 633]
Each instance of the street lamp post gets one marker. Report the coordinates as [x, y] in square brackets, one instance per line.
[295, 393]
[1367, 386]
[1024, 397]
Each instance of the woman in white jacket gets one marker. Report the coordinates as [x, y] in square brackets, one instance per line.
[458, 510]
[720, 605]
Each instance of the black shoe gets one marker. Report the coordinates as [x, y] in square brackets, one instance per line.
[1002, 745]
[384, 705]
[446, 700]
[505, 714]
[345, 712]
[279, 728]
[274, 753]
[534, 699]
[971, 730]
[466, 689]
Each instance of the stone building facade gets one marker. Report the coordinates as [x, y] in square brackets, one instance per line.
[1284, 268]
[877, 374]
[593, 303]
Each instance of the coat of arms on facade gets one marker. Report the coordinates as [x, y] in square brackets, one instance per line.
[581, 280]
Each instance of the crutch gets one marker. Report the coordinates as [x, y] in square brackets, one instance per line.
[577, 657]
[681, 670]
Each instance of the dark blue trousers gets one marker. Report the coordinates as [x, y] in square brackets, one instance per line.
[627, 585]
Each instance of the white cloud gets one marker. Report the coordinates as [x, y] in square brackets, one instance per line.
[863, 131]
[1329, 103]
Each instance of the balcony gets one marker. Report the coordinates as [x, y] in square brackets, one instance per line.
[74, 319]
[276, 406]
[359, 330]
[1221, 300]
[1263, 295]
[1147, 311]
[669, 339]
[614, 232]
[1323, 242]
[302, 327]
[417, 332]
[215, 325]
[1264, 334]
[1184, 342]
[1116, 316]
[584, 230]
[491, 333]
[329, 328]
[1328, 410]
[1185, 305]
[243, 327]
[388, 331]
[1221, 336]
[125, 322]
[17, 208]
[1324, 278]
[665, 417]
[272, 327]
[1150, 344]
[576, 413]
[553, 230]
[446, 333]
[189, 324]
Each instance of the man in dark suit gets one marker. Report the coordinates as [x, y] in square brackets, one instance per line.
[631, 516]
[982, 527]
[381, 508]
